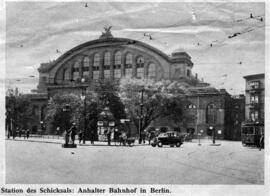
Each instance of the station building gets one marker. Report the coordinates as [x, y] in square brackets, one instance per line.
[111, 58]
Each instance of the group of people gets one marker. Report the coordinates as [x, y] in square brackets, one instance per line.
[70, 135]
[20, 132]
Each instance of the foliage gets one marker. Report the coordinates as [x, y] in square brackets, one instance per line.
[160, 99]
[18, 108]
[107, 95]
[60, 118]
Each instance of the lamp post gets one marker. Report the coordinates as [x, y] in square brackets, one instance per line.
[83, 98]
[66, 109]
[58, 131]
[140, 117]
[41, 126]
[84, 116]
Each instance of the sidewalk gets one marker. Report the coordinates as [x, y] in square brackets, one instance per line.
[60, 140]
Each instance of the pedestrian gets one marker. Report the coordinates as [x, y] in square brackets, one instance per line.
[66, 135]
[144, 136]
[27, 133]
[124, 138]
[92, 136]
[261, 142]
[20, 133]
[109, 137]
[80, 136]
[73, 133]
[150, 137]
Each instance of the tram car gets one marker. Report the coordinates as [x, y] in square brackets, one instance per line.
[251, 134]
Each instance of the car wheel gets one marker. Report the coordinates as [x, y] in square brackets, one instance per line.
[178, 144]
[159, 144]
[171, 145]
[153, 145]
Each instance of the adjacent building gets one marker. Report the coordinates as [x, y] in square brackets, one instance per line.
[254, 102]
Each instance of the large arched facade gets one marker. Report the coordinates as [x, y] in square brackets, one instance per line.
[111, 58]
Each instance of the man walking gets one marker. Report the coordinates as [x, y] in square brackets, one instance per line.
[27, 133]
[73, 133]
[109, 137]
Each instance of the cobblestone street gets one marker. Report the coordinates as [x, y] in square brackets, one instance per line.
[39, 163]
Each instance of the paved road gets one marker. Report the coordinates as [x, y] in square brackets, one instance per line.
[45, 163]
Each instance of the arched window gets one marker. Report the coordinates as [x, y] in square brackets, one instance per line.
[188, 73]
[86, 62]
[152, 70]
[66, 74]
[211, 113]
[96, 66]
[35, 109]
[107, 63]
[140, 67]
[128, 65]
[117, 65]
[76, 74]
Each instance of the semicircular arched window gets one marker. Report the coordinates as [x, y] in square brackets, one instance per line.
[140, 67]
[86, 62]
[76, 73]
[96, 66]
[66, 75]
[128, 65]
[117, 64]
[107, 63]
[211, 113]
[152, 70]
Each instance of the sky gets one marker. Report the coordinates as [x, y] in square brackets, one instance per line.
[35, 30]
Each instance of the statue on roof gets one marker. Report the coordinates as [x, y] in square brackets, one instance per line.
[107, 33]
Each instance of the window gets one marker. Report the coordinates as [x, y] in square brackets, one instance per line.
[254, 99]
[96, 66]
[140, 67]
[117, 58]
[86, 66]
[128, 65]
[152, 70]
[76, 74]
[211, 114]
[188, 73]
[254, 115]
[254, 84]
[66, 75]
[117, 65]
[107, 63]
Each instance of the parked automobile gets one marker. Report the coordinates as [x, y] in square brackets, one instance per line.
[171, 138]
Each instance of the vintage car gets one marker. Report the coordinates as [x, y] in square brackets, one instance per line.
[171, 138]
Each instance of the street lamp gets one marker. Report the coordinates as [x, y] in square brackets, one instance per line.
[66, 109]
[41, 126]
[84, 115]
[141, 115]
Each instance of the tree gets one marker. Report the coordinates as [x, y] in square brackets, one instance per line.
[107, 94]
[59, 118]
[160, 99]
[18, 107]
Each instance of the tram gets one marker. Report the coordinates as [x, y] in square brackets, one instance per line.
[251, 133]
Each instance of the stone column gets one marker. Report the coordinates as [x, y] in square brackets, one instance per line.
[146, 65]
[123, 62]
[101, 66]
[71, 65]
[134, 66]
[81, 61]
[112, 64]
[91, 62]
